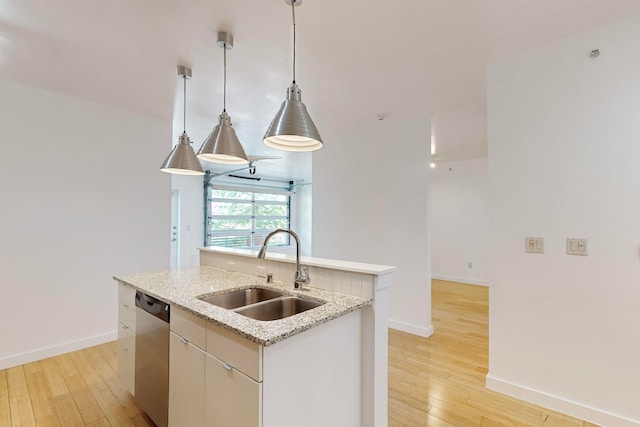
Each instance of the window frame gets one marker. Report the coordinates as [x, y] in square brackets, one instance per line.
[252, 232]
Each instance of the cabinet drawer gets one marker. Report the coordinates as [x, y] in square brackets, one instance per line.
[234, 350]
[188, 326]
[231, 398]
[127, 306]
[126, 357]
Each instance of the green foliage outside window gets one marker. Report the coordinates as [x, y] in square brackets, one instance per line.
[242, 219]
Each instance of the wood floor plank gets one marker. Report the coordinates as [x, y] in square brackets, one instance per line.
[49, 421]
[21, 411]
[67, 410]
[54, 377]
[84, 400]
[110, 353]
[65, 365]
[40, 394]
[5, 407]
[102, 422]
[17, 382]
[19, 399]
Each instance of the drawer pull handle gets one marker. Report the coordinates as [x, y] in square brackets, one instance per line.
[125, 305]
[125, 349]
[227, 367]
[184, 340]
[125, 327]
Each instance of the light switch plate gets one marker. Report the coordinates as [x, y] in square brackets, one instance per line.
[534, 245]
[577, 247]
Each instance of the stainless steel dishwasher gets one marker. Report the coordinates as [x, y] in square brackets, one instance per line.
[152, 357]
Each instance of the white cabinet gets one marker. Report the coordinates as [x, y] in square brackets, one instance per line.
[126, 336]
[213, 388]
[232, 398]
[311, 379]
[186, 382]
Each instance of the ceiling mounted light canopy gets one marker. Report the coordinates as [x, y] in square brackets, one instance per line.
[292, 129]
[182, 160]
[222, 145]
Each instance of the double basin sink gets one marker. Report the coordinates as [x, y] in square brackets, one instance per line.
[261, 304]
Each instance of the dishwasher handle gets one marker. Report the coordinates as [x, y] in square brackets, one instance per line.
[153, 306]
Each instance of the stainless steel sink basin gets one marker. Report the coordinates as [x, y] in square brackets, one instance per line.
[235, 299]
[278, 308]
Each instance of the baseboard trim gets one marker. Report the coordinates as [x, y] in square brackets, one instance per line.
[465, 280]
[559, 404]
[411, 328]
[44, 353]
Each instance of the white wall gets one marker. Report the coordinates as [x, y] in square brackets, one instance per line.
[459, 195]
[82, 200]
[370, 205]
[564, 150]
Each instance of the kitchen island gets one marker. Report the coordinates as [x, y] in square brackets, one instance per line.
[321, 367]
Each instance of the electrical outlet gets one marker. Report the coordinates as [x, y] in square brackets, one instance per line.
[577, 247]
[534, 245]
[469, 265]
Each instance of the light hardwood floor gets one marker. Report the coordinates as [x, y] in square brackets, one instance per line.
[437, 381]
[75, 389]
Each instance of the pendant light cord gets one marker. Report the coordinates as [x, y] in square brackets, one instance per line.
[293, 13]
[224, 92]
[184, 106]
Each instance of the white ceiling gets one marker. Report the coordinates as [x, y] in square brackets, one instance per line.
[356, 58]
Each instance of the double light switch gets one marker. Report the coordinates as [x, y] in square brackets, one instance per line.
[535, 245]
[577, 247]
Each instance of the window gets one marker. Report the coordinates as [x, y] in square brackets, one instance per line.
[242, 218]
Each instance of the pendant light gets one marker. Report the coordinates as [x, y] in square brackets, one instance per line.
[292, 128]
[182, 160]
[222, 145]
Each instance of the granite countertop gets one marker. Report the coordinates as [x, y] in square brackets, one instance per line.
[182, 287]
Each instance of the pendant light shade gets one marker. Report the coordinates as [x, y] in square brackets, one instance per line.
[222, 144]
[292, 129]
[182, 160]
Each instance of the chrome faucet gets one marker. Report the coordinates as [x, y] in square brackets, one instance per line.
[302, 276]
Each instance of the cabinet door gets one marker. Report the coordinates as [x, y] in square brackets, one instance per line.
[231, 398]
[186, 383]
[126, 357]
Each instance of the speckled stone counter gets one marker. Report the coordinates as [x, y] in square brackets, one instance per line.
[182, 288]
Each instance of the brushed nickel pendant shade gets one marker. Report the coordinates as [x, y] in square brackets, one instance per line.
[292, 129]
[222, 144]
[182, 160]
